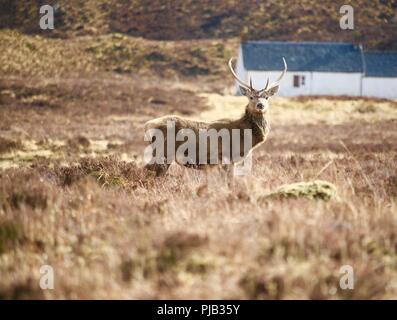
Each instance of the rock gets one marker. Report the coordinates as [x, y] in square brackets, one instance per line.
[313, 190]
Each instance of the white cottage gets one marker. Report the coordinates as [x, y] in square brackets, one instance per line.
[314, 68]
[380, 75]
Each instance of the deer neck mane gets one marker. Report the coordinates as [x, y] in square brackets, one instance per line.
[256, 121]
[258, 124]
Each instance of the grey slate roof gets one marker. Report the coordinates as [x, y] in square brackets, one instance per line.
[381, 64]
[302, 56]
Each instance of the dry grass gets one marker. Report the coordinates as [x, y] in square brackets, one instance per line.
[73, 193]
[111, 230]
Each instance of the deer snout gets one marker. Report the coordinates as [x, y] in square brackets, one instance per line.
[260, 106]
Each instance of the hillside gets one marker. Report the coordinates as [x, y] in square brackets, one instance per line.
[38, 56]
[188, 19]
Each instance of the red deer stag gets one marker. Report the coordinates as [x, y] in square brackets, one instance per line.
[254, 119]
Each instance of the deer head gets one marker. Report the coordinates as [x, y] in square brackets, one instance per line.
[258, 99]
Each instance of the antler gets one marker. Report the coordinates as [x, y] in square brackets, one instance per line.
[249, 87]
[267, 86]
[275, 83]
[267, 83]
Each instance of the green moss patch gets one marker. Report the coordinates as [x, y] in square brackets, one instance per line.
[314, 190]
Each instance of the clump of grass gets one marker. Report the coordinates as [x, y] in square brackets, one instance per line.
[198, 265]
[258, 285]
[175, 247]
[391, 186]
[107, 171]
[22, 290]
[79, 142]
[40, 100]
[366, 108]
[26, 189]
[171, 255]
[105, 178]
[7, 145]
[11, 234]
[47, 96]
[314, 190]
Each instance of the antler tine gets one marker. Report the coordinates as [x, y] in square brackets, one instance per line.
[236, 77]
[281, 75]
[251, 84]
[267, 83]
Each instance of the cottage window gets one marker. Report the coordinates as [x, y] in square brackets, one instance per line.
[299, 81]
[296, 81]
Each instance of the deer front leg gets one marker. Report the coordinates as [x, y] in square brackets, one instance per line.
[161, 164]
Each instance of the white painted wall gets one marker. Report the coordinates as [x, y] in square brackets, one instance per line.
[337, 83]
[287, 84]
[316, 83]
[320, 83]
[380, 87]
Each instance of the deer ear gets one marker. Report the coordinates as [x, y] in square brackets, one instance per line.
[244, 91]
[272, 91]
